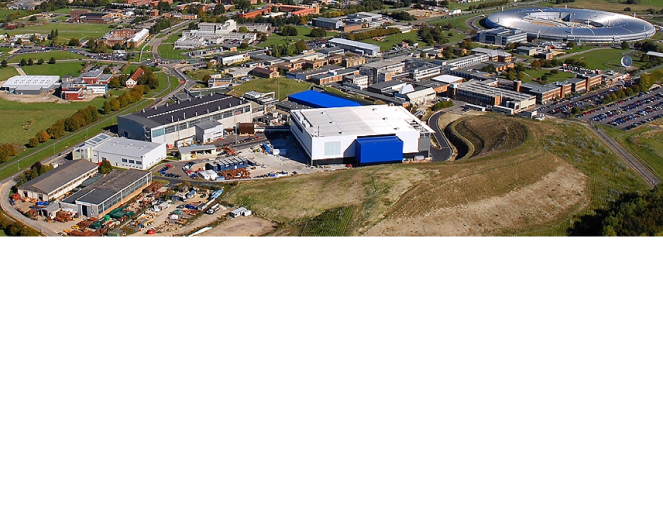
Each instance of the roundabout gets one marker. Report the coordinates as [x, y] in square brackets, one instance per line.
[577, 25]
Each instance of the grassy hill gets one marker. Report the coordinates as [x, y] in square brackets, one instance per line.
[558, 173]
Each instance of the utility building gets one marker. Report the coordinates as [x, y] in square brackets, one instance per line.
[361, 135]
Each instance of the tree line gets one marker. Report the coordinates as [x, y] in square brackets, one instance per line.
[12, 228]
[634, 214]
[376, 32]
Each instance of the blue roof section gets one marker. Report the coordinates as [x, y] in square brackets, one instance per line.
[321, 100]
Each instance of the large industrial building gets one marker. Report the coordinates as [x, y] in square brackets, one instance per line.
[362, 135]
[176, 123]
[370, 50]
[121, 152]
[103, 195]
[578, 25]
[31, 84]
[58, 182]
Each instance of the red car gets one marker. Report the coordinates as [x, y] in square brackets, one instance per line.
[151, 232]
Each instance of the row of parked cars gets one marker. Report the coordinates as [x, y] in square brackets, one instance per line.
[164, 172]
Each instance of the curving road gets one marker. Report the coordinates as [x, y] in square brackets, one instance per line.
[444, 152]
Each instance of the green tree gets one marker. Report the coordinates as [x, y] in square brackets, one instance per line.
[23, 63]
[105, 167]
[42, 136]
[625, 45]
[30, 61]
[289, 30]
[3, 63]
[52, 60]
[33, 142]
[6, 152]
[301, 46]
[74, 42]
[40, 61]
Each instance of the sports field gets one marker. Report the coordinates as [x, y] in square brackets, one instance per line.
[65, 30]
[302, 32]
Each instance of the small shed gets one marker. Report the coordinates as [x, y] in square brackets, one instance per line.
[240, 212]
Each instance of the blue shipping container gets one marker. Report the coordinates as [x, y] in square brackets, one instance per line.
[378, 150]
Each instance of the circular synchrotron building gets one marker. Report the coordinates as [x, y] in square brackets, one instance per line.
[578, 25]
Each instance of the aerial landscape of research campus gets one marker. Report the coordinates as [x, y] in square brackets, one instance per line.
[331, 118]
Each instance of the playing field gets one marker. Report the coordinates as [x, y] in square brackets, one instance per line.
[65, 30]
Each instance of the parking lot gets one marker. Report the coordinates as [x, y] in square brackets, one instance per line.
[564, 108]
[630, 113]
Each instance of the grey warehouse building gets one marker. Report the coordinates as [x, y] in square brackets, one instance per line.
[178, 121]
[59, 181]
[31, 84]
[106, 193]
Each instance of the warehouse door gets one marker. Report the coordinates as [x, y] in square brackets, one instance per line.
[86, 210]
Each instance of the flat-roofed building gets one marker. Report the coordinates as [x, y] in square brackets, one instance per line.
[487, 94]
[371, 50]
[56, 183]
[329, 135]
[121, 152]
[545, 93]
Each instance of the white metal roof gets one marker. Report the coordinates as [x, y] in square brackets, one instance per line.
[32, 80]
[360, 121]
[447, 79]
[128, 147]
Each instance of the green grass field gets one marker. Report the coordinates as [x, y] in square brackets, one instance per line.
[604, 58]
[7, 72]
[22, 121]
[65, 30]
[57, 54]
[616, 5]
[645, 142]
[166, 51]
[285, 86]
[302, 32]
[59, 68]
[330, 223]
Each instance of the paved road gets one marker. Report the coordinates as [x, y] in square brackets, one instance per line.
[445, 151]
